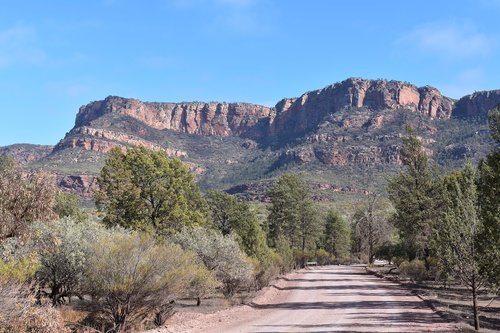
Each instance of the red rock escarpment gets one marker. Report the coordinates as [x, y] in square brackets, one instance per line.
[289, 116]
[79, 184]
[477, 104]
[301, 114]
[103, 141]
[220, 119]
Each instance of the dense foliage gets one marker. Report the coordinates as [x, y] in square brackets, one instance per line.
[336, 235]
[292, 215]
[415, 196]
[145, 190]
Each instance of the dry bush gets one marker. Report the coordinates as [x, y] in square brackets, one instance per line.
[24, 197]
[19, 312]
[220, 255]
[133, 279]
[414, 269]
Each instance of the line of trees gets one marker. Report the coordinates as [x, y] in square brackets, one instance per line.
[450, 219]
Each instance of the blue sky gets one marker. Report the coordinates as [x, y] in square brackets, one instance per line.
[58, 55]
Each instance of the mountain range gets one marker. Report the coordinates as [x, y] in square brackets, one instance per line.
[345, 138]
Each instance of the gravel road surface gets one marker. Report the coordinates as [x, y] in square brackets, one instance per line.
[324, 299]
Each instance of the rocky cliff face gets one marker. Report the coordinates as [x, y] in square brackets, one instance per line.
[219, 119]
[304, 113]
[335, 132]
[102, 141]
[291, 116]
[477, 104]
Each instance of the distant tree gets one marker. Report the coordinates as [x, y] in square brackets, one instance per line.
[415, 195]
[144, 189]
[68, 205]
[293, 214]
[370, 227]
[458, 234]
[25, 196]
[220, 255]
[232, 216]
[337, 235]
[489, 207]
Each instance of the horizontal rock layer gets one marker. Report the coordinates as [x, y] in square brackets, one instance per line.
[290, 116]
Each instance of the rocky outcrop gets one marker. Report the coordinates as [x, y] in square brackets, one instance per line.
[358, 155]
[297, 115]
[79, 184]
[477, 104]
[353, 123]
[219, 119]
[26, 153]
[102, 141]
[290, 116]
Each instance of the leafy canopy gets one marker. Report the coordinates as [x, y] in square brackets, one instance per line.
[146, 190]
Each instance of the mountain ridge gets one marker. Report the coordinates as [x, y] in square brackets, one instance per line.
[352, 124]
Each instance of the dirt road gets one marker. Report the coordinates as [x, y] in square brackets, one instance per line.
[329, 299]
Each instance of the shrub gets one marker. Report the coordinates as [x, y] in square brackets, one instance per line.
[64, 249]
[323, 257]
[39, 319]
[68, 205]
[132, 278]
[221, 255]
[19, 312]
[302, 257]
[19, 270]
[415, 269]
[284, 251]
[266, 268]
[24, 197]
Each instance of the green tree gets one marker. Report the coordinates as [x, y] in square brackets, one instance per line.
[293, 214]
[231, 216]
[458, 234]
[489, 206]
[337, 235]
[414, 194]
[68, 205]
[144, 189]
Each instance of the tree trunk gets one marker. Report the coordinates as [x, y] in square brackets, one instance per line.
[474, 304]
[371, 255]
[303, 251]
[427, 255]
[198, 301]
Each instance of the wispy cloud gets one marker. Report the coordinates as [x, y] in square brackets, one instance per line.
[232, 16]
[450, 40]
[18, 46]
[464, 82]
[244, 16]
[70, 88]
